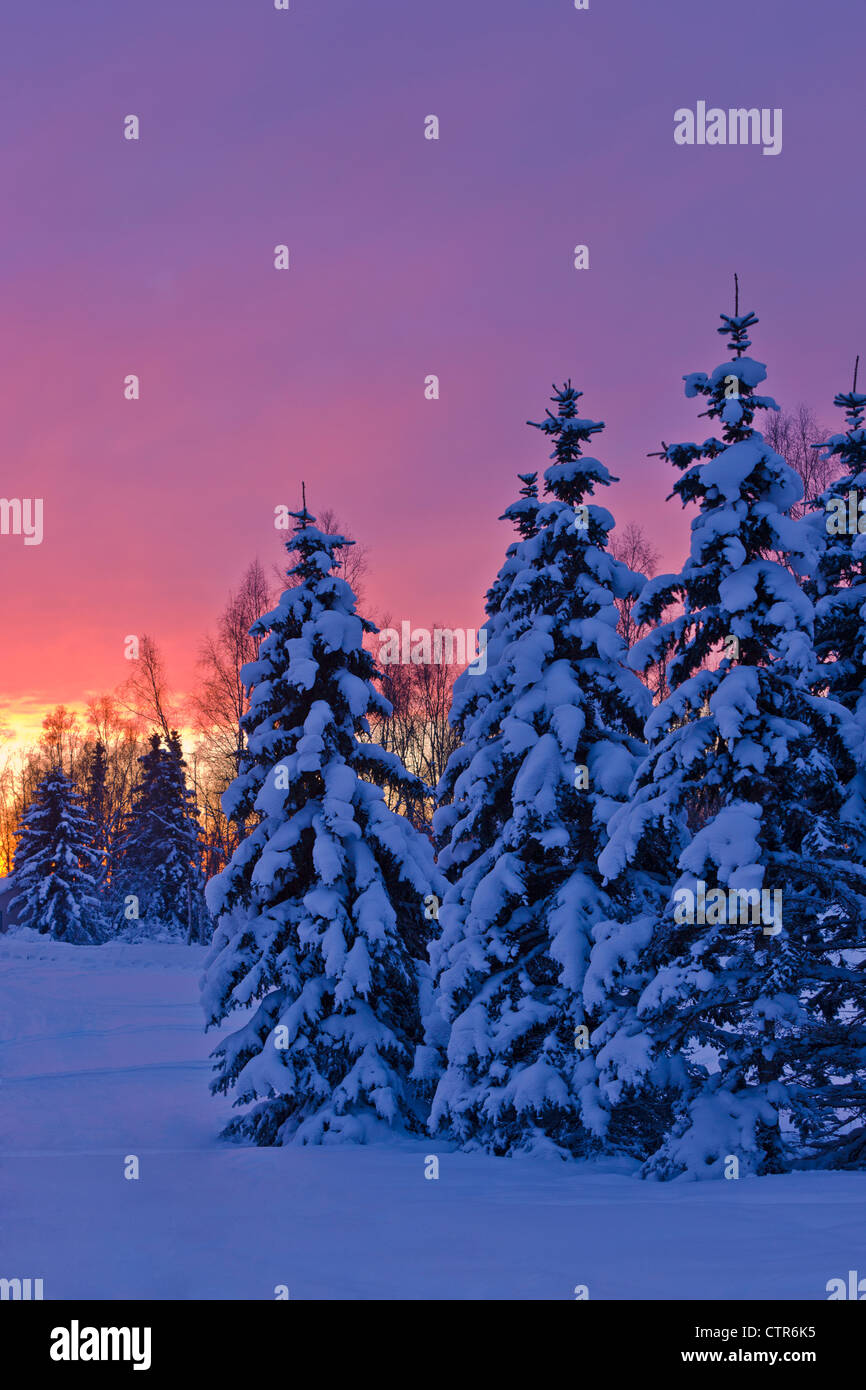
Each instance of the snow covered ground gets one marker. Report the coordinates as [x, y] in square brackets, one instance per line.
[102, 1055]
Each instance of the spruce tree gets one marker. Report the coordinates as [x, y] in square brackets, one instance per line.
[549, 745]
[159, 851]
[838, 586]
[320, 914]
[744, 1036]
[182, 878]
[839, 591]
[56, 865]
[96, 806]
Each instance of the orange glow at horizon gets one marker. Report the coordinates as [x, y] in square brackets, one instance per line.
[22, 724]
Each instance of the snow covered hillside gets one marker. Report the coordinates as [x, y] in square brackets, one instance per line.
[102, 1056]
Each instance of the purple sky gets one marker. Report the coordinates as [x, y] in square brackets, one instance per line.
[408, 257]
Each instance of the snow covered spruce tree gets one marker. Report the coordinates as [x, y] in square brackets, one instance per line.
[96, 808]
[159, 880]
[838, 586]
[57, 866]
[321, 913]
[550, 744]
[729, 1003]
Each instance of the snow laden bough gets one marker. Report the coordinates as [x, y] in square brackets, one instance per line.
[548, 750]
[320, 912]
[723, 1039]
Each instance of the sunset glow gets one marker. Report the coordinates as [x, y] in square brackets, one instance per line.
[452, 257]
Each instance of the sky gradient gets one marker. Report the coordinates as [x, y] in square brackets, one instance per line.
[408, 257]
